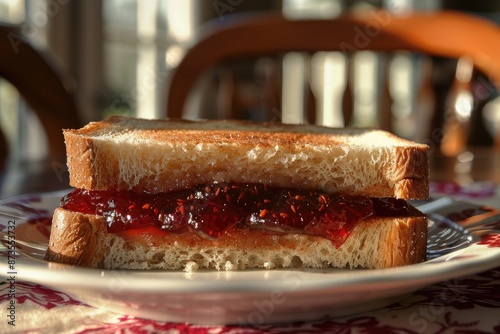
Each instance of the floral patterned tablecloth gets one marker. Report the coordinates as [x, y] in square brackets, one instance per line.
[463, 305]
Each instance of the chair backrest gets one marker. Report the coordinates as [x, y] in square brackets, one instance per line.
[438, 34]
[45, 88]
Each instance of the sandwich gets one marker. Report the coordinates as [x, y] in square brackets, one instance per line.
[233, 195]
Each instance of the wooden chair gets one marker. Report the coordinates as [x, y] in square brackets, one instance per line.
[447, 35]
[48, 93]
[42, 85]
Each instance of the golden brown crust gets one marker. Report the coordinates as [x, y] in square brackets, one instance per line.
[80, 158]
[159, 156]
[74, 239]
[374, 243]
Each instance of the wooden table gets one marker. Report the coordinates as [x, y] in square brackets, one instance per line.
[477, 164]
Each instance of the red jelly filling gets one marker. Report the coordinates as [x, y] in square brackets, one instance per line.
[211, 210]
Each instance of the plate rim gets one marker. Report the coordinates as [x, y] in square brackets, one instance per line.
[35, 270]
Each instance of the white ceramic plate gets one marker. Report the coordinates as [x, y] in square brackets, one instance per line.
[463, 239]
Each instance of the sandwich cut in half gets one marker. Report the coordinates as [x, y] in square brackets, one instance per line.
[231, 195]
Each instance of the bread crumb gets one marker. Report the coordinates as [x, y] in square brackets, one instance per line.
[229, 266]
[191, 266]
[268, 265]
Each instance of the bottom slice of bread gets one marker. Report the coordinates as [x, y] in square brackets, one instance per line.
[379, 242]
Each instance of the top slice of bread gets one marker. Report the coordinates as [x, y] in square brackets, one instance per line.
[163, 155]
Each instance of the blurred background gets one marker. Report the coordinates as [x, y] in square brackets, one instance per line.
[119, 54]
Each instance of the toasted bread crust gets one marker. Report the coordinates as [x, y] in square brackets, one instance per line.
[159, 156]
[82, 239]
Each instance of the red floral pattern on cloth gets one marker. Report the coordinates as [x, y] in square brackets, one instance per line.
[492, 240]
[467, 305]
[38, 294]
[475, 190]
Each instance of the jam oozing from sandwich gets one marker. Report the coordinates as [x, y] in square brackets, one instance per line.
[211, 210]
